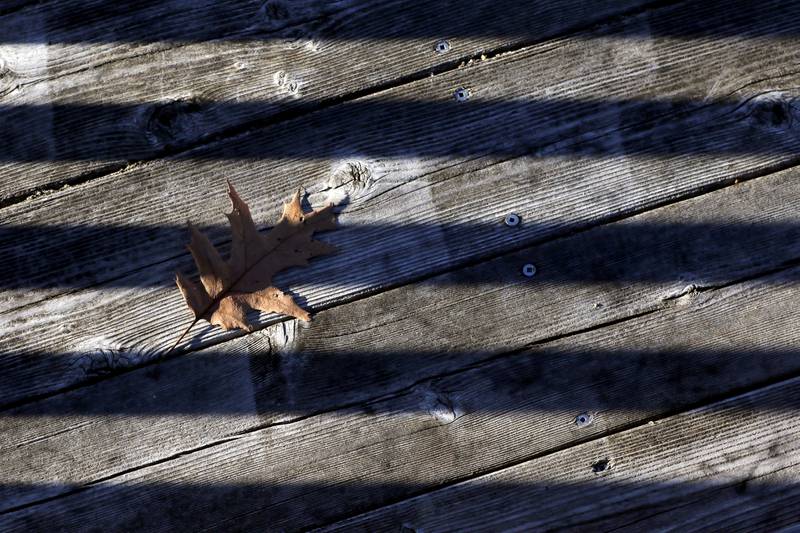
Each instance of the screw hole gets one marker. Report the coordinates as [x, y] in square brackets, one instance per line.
[462, 94]
[512, 220]
[442, 46]
[584, 420]
[529, 270]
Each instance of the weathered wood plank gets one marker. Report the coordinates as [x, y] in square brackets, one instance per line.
[166, 75]
[350, 354]
[13, 5]
[408, 217]
[759, 501]
[653, 471]
[306, 473]
[453, 221]
[435, 135]
[73, 210]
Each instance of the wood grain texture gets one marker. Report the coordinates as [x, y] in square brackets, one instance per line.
[653, 475]
[10, 6]
[395, 389]
[456, 426]
[132, 219]
[86, 87]
[391, 341]
[409, 136]
[761, 501]
[404, 221]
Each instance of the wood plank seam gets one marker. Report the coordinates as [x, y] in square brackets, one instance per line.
[300, 111]
[99, 173]
[721, 400]
[181, 351]
[670, 303]
[709, 491]
[674, 298]
[732, 395]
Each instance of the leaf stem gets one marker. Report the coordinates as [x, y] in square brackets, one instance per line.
[195, 321]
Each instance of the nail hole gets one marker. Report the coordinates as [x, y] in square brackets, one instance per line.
[603, 465]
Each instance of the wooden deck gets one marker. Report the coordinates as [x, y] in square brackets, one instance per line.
[647, 377]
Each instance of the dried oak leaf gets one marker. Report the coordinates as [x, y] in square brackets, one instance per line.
[245, 282]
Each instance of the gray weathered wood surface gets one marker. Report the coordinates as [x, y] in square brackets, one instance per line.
[418, 214]
[649, 148]
[286, 372]
[456, 425]
[632, 479]
[168, 75]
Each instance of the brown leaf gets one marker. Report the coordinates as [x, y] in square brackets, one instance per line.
[230, 289]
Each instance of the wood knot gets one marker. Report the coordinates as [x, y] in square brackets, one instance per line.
[102, 357]
[347, 181]
[275, 10]
[287, 83]
[167, 120]
[773, 111]
[8, 78]
[352, 176]
[296, 38]
[442, 407]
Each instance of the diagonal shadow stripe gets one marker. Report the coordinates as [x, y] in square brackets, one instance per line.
[66, 256]
[214, 383]
[296, 506]
[147, 21]
[408, 128]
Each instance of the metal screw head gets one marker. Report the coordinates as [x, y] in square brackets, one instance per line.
[461, 94]
[442, 46]
[529, 270]
[512, 220]
[583, 420]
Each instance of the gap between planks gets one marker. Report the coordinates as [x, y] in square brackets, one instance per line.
[293, 111]
[720, 306]
[708, 268]
[473, 262]
[779, 165]
[605, 515]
